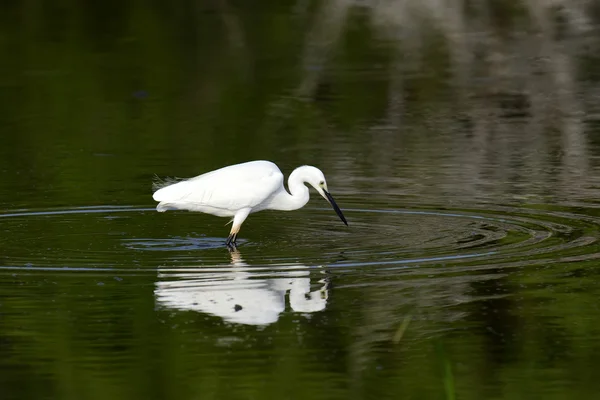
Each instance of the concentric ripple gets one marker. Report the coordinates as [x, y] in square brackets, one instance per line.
[288, 261]
[133, 237]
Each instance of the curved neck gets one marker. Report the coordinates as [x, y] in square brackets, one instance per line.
[299, 192]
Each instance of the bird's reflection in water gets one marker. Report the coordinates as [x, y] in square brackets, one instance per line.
[241, 293]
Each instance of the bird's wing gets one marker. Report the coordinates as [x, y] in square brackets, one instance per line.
[230, 188]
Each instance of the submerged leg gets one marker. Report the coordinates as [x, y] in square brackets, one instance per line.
[238, 220]
[231, 240]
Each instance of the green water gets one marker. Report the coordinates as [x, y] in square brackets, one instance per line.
[460, 142]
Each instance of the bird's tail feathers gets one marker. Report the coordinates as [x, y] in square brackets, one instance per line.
[159, 183]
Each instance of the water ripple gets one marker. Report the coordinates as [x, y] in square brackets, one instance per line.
[124, 237]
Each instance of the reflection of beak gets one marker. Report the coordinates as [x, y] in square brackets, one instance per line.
[335, 206]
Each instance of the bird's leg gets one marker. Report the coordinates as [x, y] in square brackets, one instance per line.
[239, 218]
[231, 246]
[232, 237]
[231, 240]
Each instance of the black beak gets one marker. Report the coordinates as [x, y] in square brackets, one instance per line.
[335, 206]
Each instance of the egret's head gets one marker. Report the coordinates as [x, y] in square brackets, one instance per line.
[316, 179]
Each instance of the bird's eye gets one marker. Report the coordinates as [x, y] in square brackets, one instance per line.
[322, 183]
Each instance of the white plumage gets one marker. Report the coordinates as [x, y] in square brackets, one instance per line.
[238, 190]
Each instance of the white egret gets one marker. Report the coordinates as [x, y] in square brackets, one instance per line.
[239, 190]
